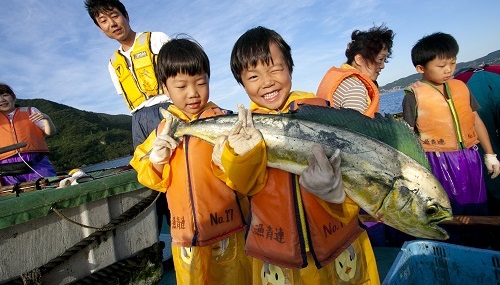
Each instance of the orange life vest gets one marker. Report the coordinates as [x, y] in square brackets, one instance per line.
[288, 221]
[22, 129]
[203, 209]
[445, 123]
[334, 76]
[142, 83]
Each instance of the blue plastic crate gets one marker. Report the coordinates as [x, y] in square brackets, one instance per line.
[429, 262]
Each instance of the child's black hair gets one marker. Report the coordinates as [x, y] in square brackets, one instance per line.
[181, 55]
[253, 47]
[432, 46]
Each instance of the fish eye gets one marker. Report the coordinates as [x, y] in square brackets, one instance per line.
[431, 210]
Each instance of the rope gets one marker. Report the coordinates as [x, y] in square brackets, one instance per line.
[98, 236]
[27, 164]
[33, 277]
[111, 225]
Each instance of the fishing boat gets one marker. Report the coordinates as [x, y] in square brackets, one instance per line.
[102, 231]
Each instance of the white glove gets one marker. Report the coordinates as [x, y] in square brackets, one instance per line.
[492, 164]
[67, 182]
[243, 137]
[219, 145]
[323, 177]
[163, 145]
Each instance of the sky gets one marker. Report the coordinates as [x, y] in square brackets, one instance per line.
[51, 49]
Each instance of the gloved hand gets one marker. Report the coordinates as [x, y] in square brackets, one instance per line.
[492, 164]
[220, 142]
[323, 177]
[243, 137]
[163, 145]
[67, 182]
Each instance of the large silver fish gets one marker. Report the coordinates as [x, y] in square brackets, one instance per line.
[384, 169]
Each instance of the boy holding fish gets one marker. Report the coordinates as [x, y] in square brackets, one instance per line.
[303, 229]
[208, 217]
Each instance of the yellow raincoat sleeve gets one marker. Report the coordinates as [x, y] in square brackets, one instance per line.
[344, 212]
[245, 174]
[146, 174]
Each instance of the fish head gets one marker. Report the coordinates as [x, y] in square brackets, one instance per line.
[173, 120]
[416, 204]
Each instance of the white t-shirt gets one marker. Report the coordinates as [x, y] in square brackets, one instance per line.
[157, 41]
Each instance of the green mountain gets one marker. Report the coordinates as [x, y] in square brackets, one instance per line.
[491, 59]
[82, 137]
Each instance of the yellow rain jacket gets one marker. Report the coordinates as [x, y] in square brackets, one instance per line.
[295, 237]
[208, 217]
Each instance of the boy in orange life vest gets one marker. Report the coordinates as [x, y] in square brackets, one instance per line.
[443, 112]
[286, 233]
[203, 253]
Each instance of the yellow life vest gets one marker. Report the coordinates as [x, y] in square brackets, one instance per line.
[445, 122]
[334, 76]
[141, 84]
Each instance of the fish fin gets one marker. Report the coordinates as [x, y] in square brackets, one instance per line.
[384, 128]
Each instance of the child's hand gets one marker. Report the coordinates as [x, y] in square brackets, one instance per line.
[244, 136]
[163, 145]
[492, 164]
[323, 177]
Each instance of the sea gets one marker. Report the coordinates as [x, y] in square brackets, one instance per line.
[391, 103]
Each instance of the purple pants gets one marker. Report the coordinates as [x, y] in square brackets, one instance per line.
[43, 168]
[461, 174]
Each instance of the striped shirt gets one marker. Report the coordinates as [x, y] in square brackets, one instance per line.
[351, 94]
